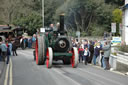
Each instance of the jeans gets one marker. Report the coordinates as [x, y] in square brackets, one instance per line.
[86, 59]
[106, 60]
[80, 56]
[7, 59]
[94, 59]
[0, 58]
[102, 62]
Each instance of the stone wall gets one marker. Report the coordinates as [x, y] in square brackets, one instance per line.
[122, 61]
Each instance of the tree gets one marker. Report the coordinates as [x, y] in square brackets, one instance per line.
[31, 23]
[80, 14]
[117, 18]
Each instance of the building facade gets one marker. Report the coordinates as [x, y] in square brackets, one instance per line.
[125, 23]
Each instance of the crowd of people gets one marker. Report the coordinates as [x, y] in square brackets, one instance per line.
[90, 51]
[7, 48]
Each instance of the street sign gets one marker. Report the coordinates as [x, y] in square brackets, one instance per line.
[116, 40]
[78, 33]
[113, 27]
[42, 29]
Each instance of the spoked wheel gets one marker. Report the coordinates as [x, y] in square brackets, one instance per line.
[74, 59]
[40, 50]
[49, 58]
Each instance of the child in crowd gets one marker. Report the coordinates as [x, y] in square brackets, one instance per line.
[86, 55]
[81, 51]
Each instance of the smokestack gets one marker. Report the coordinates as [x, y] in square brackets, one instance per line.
[61, 29]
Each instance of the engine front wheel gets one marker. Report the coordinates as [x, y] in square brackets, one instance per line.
[75, 56]
[49, 58]
[40, 50]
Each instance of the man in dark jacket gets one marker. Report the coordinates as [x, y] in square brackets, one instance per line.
[96, 52]
[14, 49]
[91, 49]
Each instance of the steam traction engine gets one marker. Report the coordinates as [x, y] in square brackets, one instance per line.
[55, 45]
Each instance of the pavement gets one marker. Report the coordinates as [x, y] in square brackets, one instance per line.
[2, 65]
[23, 70]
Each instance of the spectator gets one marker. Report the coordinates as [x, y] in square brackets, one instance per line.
[33, 40]
[74, 43]
[30, 42]
[91, 50]
[0, 55]
[107, 51]
[14, 48]
[96, 52]
[8, 53]
[86, 54]
[81, 51]
[3, 50]
[102, 59]
[10, 46]
[86, 45]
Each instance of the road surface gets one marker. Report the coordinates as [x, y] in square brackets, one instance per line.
[23, 70]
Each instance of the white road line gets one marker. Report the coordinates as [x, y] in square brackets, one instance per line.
[75, 83]
[11, 78]
[6, 76]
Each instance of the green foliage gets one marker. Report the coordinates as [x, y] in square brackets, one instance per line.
[80, 14]
[117, 16]
[50, 9]
[96, 30]
[87, 16]
[30, 22]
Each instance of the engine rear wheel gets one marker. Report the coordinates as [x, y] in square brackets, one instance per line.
[49, 58]
[40, 50]
[75, 56]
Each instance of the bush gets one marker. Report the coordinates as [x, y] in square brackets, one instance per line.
[124, 48]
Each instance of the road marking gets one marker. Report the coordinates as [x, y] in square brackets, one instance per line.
[76, 83]
[8, 71]
[6, 76]
[11, 79]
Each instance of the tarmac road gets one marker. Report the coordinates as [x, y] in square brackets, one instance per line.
[23, 70]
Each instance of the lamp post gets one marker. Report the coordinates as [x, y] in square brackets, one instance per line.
[43, 13]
